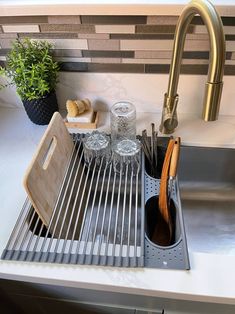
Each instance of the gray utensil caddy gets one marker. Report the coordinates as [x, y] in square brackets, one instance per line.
[31, 240]
[174, 256]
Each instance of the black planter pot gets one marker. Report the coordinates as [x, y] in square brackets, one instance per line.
[41, 110]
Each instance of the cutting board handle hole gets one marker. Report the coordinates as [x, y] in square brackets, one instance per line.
[49, 153]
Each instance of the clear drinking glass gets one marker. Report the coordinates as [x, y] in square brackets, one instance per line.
[97, 150]
[127, 153]
[123, 121]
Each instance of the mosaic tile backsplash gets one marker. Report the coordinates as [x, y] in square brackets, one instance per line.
[130, 44]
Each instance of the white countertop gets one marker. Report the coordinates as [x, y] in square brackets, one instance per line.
[104, 7]
[211, 277]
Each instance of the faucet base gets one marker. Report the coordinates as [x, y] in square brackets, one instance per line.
[169, 115]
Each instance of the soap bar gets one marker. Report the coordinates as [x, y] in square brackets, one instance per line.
[85, 117]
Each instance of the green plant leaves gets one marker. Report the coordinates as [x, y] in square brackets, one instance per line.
[30, 66]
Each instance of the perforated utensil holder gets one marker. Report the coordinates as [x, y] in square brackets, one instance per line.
[174, 256]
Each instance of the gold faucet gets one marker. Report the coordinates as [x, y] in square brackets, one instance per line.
[214, 83]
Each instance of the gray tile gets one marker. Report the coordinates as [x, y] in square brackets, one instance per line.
[6, 42]
[67, 53]
[64, 19]
[110, 44]
[8, 35]
[141, 36]
[201, 55]
[49, 35]
[227, 20]
[107, 54]
[47, 28]
[230, 37]
[113, 19]
[74, 67]
[162, 19]
[4, 51]
[23, 19]
[98, 67]
[196, 54]
[116, 68]
[106, 60]
[201, 69]
[157, 68]
[148, 29]
[93, 36]
[229, 70]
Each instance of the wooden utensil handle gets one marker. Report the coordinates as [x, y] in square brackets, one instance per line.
[175, 158]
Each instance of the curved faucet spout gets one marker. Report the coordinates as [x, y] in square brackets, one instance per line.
[214, 83]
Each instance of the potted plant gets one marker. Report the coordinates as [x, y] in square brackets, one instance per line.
[31, 68]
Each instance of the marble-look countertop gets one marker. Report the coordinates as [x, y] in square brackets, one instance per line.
[207, 280]
[104, 7]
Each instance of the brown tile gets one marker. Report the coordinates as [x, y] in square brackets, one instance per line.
[106, 60]
[47, 28]
[142, 54]
[141, 36]
[197, 36]
[110, 44]
[107, 54]
[116, 68]
[146, 44]
[159, 29]
[49, 35]
[113, 19]
[162, 19]
[93, 36]
[64, 19]
[67, 53]
[228, 30]
[23, 19]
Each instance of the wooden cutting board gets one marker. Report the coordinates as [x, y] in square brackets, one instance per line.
[44, 176]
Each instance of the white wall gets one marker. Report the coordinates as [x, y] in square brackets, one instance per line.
[145, 91]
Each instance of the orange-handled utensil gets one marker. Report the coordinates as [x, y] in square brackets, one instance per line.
[174, 165]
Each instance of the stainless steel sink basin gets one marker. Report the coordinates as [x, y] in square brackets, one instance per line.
[207, 185]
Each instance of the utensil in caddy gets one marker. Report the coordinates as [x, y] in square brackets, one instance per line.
[99, 218]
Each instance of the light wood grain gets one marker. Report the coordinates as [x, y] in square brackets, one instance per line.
[175, 158]
[45, 174]
[84, 125]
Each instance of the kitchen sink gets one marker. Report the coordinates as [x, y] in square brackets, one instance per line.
[207, 187]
